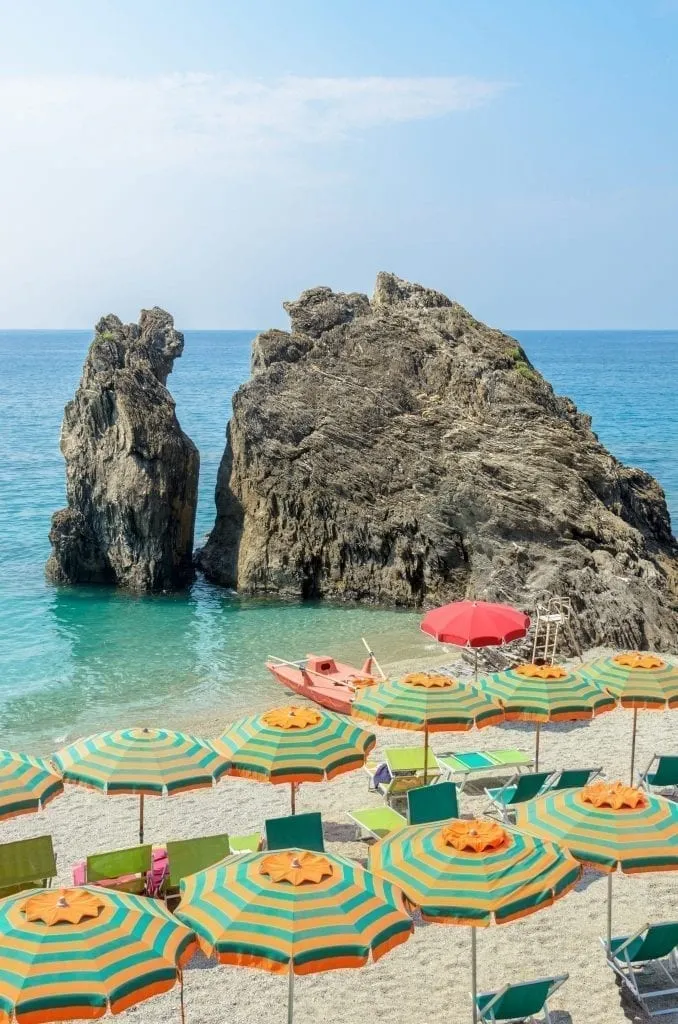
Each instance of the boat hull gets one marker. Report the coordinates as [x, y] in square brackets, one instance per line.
[323, 680]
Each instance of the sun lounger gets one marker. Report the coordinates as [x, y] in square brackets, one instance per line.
[297, 831]
[250, 843]
[378, 821]
[26, 864]
[661, 773]
[476, 762]
[432, 803]
[401, 771]
[517, 790]
[126, 870]
[573, 778]
[654, 946]
[520, 1002]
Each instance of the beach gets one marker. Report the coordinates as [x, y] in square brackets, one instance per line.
[428, 978]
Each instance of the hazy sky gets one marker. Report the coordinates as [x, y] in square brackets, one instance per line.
[218, 156]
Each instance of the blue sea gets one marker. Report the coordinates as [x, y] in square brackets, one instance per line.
[78, 660]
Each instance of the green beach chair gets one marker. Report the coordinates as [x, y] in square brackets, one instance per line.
[573, 778]
[654, 946]
[125, 870]
[661, 773]
[432, 803]
[26, 864]
[295, 832]
[517, 790]
[477, 762]
[250, 843]
[377, 821]
[513, 1004]
[187, 856]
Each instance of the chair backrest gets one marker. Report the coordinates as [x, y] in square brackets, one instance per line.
[186, 856]
[575, 778]
[528, 786]
[658, 942]
[432, 803]
[667, 771]
[136, 860]
[521, 1001]
[26, 861]
[297, 831]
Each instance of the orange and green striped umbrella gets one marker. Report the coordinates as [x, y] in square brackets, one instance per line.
[26, 784]
[426, 703]
[473, 873]
[150, 762]
[293, 745]
[607, 826]
[77, 953]
[545, 693]
[637, 680]
[293, 912]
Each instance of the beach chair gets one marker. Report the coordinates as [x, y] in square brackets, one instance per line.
[476, 762]
[573, 778]
[295, 832]
[250, 843]
[125, 870]
[401, 771]
[517, 790]
[377, 821]
[655, 947]
[432, 803]
[513, 1004]
[661, 773]
[26, 864]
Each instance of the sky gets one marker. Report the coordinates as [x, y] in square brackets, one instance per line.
[216, 157]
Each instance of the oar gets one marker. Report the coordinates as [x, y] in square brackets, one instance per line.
[371, 654]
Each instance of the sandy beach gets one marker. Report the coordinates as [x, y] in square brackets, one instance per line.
[428, 978]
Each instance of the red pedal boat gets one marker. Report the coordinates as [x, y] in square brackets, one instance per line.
[324, 680]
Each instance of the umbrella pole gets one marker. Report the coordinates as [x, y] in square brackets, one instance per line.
[425, 753]
[290, 994]
[181, 996]
[633, 742]
[141, 818]
[474, 976]
[475, 664]
[609, 913]
[536, 748]
[293, 798]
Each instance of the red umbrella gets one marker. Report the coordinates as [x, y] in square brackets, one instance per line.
[475, 624]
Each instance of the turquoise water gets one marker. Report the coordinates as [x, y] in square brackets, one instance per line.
[74, 660]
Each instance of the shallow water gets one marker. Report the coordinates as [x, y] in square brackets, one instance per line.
[74, 660]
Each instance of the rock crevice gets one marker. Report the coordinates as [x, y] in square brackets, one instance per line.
[396, 450]
[131, 472]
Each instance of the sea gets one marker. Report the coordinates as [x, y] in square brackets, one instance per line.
[76, 660]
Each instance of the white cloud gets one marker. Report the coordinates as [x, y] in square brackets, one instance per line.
[178, 120]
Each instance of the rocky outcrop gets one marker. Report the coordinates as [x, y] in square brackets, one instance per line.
[131, 472]
[400, 452]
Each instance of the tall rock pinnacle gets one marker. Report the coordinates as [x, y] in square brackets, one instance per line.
[398, 451]
[131, 472]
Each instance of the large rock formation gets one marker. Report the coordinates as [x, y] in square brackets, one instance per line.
[399, 451]
[131, 472]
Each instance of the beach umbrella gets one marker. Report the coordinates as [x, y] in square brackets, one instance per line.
[607, 826]
[637, 680]
[426, 703]
[293, 912]
[545, 693]
[27, 784]
[147, 762]
[473, 873]
[475, 624]
[76, 953]
[292, 745]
